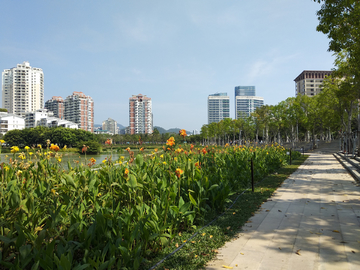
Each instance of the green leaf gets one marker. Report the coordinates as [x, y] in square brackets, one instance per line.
[192, 200]
[40, 239]
[69, 180]
[213, 186]
[132, 181]
[6, 240]
[14, 200]
[81, 267]
[25, 257]
[139, 160]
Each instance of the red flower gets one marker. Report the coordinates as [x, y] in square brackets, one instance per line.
[179, 172]
[84, 149]
[108, 141]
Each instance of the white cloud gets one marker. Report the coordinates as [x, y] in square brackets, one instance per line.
[268, 66]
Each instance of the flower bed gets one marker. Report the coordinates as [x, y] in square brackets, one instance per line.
[122, 213]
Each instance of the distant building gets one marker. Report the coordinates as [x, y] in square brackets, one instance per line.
[45, 118]
[110, 125]
[10, 121]
[56, 105]
[79, 108]
[22, 89]
[218, 107]
[246, 105]
[309, 82]
[244, 91]
[140, 115]
[246, 102]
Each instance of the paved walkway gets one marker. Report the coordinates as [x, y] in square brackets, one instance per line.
[312, 222]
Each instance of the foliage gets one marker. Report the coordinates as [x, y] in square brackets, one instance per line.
[92, 147]
[118, 216]
[39, 135]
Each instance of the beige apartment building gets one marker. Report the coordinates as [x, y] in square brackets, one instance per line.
[309, 82]
[140, 115]
[77, 108]
[22, 89]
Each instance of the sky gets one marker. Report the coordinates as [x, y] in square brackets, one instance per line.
[175, 52]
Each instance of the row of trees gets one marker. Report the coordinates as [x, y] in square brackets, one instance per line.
[300, 118]
[77, 137]
[303, 118]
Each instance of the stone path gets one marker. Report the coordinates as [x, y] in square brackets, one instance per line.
[312, 222]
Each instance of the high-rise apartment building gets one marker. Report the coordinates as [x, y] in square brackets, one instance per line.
[218, 107]
[140, 115]
[22, 89]
[246, 102]
[309, 82]
[246, 105]
[79, 108]
[110, 125]
[244, 91]
[56, 105]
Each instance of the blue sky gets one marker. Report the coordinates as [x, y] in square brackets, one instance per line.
[175, 52]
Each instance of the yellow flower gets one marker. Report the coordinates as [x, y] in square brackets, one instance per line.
[6, 168]
[39, 145]
[162, 156]
[175, 158]
[53, 191]
[59, 159]
[164, 163]
[22, 156]
[104, 161]
[65, 147]
[122, 157]
[14, 149]
[26, 148]
[2, 141]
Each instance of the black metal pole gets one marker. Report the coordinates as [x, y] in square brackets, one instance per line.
[252, 174]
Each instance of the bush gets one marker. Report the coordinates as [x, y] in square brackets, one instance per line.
[89, 147]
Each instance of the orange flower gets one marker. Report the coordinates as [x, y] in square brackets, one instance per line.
[204, 151]
[54, 147]
[179, 172]
[170, 141]
[197, 164]
[108, 141]
[126, 173]
[142, 149]
[127, 149]
[182, 133]
[192, 147]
